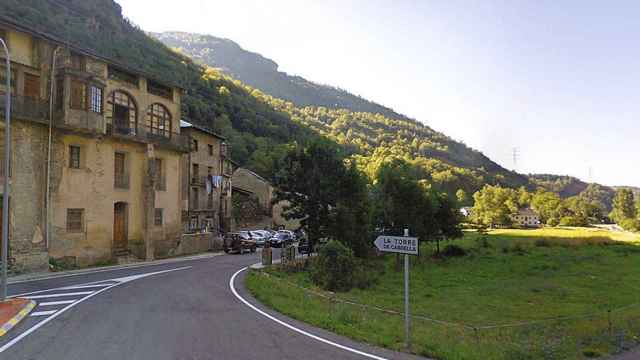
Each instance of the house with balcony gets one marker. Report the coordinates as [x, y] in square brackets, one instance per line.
[207, 182]
[96, 155]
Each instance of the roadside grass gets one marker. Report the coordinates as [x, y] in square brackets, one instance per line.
[568, 292]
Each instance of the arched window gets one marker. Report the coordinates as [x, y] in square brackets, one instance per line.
[158, 120]
[122, 112]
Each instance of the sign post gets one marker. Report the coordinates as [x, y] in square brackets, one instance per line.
[401, 245]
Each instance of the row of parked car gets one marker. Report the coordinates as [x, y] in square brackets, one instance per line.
[251, 239]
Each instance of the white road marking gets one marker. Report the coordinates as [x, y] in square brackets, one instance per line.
[59, 295]
[43, 313]
[84, 286]
[117, 282]
[300, 331]
[51, 303]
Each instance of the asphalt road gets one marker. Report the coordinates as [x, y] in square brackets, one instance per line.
[183, 310]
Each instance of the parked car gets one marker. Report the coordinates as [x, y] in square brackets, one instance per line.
[291, 234]
[259, 236]
[280, 239]
[238, 243]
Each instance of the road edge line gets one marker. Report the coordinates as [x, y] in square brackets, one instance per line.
[291, 327]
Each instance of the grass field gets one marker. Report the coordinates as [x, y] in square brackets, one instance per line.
[566, 293]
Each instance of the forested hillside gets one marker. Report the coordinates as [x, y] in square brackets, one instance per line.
[260, 126]
[259, 72]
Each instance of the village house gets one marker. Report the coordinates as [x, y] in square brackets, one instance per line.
[250, 188]
[526, 218]
[206, 174]
[96, 156]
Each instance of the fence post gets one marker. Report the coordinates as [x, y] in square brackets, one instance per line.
[609, 322]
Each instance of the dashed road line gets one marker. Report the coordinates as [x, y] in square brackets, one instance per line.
[102, 285]
[43, 313]
[32, 297]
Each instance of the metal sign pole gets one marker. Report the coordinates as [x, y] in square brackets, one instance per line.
[5, 193]
[407, 323]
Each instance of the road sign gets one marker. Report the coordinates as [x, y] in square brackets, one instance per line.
[397, 244]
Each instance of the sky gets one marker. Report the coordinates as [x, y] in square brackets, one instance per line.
[557, 80]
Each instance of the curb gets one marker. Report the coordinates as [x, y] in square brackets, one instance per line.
[53, 275]
[16, 319]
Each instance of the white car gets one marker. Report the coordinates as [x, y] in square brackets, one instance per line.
[291, 234]
[260, 236]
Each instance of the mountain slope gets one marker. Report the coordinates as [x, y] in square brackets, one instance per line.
[260, 126]
[259, 72]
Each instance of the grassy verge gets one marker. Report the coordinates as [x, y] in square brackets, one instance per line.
[569, 293]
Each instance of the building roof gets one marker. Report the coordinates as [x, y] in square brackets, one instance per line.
[84, 51]
[185, 124]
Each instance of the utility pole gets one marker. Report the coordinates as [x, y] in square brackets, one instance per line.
[7, 163]
[516, 154]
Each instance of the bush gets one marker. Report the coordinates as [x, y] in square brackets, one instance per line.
[334, 267]
[453, 251]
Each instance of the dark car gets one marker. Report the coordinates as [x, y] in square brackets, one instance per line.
[236, 243]
[280, 239]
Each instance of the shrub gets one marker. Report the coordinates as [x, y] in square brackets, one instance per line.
[333, 268]
[453, 251]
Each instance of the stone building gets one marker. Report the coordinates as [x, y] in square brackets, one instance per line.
[249, 187]
[115, 148]
[526, 218]
[207, 195]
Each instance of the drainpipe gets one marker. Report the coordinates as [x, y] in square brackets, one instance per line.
[47, 190]
[7, 164]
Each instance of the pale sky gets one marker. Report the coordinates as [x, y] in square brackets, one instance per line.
[559, 80]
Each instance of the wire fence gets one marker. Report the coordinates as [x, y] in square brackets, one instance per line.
[595, 334]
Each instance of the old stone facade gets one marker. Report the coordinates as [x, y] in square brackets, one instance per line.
[207, 195]
[116, 151]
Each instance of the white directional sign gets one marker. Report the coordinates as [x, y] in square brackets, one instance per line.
[397, 244]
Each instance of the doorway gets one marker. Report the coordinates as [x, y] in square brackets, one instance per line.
[120, 239]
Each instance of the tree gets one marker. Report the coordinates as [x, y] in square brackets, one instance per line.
[351, 220]
[461, 196]
[547, 204]
[623, 206]
[307, 182]
[402, 201]
[494, 205]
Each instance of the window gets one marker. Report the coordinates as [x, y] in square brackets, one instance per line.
[77, 62]
[74, 156]
[157, 217]
[158, 120]
[159, 89]
[3, 79]
[32, 86]
[75, 220]
[95, 99]
[78, 95]
[121, 178]
[160, 179]
[195, 173]
[122, 111]
[210, 149]
[209, 170]
[195, 145]
[59, 93]
[193, 223]
[195, 199]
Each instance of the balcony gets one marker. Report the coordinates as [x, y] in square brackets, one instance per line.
[174, 140]
[121, 181]
[26, 108]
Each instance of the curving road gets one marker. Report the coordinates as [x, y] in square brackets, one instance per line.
[183, 310]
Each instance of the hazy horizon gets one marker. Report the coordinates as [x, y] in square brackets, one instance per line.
[554, 80]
